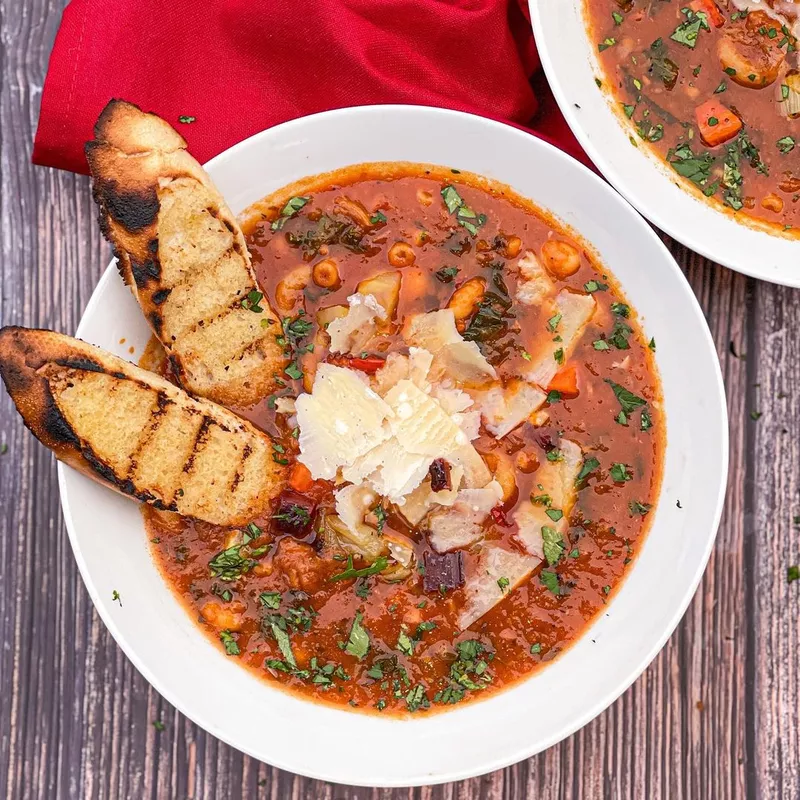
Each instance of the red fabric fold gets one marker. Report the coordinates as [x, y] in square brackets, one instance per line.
[238, 66]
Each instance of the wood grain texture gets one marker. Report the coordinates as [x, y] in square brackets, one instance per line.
[715, 717]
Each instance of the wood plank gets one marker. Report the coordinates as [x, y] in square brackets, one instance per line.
[76, 718]
[774, 544]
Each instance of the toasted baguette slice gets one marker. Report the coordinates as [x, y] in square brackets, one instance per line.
[136, 432]
[183, 254]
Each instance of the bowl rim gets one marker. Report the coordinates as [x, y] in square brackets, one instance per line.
[740, 248]
[525, 749]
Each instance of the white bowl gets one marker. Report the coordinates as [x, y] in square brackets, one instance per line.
[570, 62]
[163, 640]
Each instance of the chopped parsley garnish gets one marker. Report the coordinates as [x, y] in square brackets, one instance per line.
[617, 17]
[416, 698]
[552, 323]
[158, 725]
[379, 565]
[638, 509]
[687, 32]
[609, 41]
[555, 514]
[695, 167]
[793, 573]
[270, 600]
[465, 216]
[296, 516]
[786, 144]
[536, 648]
[293, 205]
[628, 401]
[405, 644]
[553, 396]
[251, 302]
[378, 218]
[115, 597]
[620, 473]
[550, 580]
[185, 119]
[594, 286]
[380, 512]
[358, 640]
[553, 545]
[231, 648]
[503, 584]
[620, 310]
[230, 564]
[589, 466]
[446, 274]
[469, 672]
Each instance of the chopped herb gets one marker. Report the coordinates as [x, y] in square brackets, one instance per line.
[558, 355]
[594, 286]
[687, 32]
[628, 401]
[786, 144]
[617, 17]
[601, 344]
[115, 597]
[552, 323]
[628, 110]
[251, 302]
[609, 41]
[555, 514]
[553, 396]
[606, 589]
[377, 218]
[721, 88]
[620, 310]
[589, 466]
[231, 648]
[293, 205]
[294, 371]
[652, 344]
[793, 573]
[646, 421]
[756, 415]
[638, 509]
[553, 545]
[550, 580]
[270, 600]
[446, 274]
[358, 641]
[405, 644]
[184, 119]
[619, 472]
[696, 167]
[295, 516]
[379, 565]
[465, 216]
[158, 725]
[416, 698]
[503, 584]
[536, 648]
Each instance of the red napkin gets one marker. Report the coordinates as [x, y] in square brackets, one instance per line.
[235, 67]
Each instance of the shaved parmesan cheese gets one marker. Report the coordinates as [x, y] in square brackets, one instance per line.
[452, 355]
[390, 469]
[413, 367]
[576, 310]
[340, 421]
[533, 283]
[423, 498]
[400, 548]
[285, 405]
[476, 473]
[351, 332]
[497, 573]
[505, 407]
[461, 524]
[420, 422]
[558, 492]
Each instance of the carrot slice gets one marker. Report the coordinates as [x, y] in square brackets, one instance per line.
[710, 9]
[717, 123]
[300, 478]
[565, 383]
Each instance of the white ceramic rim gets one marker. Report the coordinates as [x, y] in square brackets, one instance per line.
[569, 60]
[717, 419]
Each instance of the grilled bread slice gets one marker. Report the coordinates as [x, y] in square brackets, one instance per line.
[183, 254]
[136, 432]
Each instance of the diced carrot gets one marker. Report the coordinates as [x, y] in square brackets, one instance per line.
[565, 383]
[716, 122]
[300, 478]
[710, 9]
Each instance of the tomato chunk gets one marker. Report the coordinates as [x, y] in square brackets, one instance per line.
[565, 383]
[710, 9]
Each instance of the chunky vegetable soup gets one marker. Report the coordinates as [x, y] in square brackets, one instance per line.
[471, 420]
[714, 88]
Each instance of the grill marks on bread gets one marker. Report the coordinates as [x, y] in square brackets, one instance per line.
[137, 432]
[181, 250]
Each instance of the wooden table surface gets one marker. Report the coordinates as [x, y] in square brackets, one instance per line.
[715, 716]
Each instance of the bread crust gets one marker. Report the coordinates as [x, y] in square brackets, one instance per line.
[183, 254]
[137, 433]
